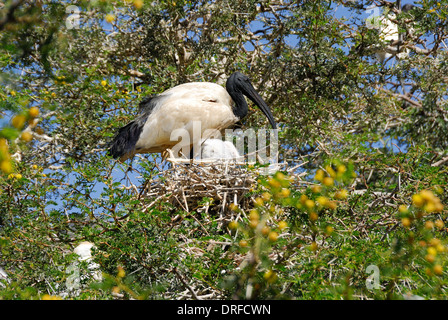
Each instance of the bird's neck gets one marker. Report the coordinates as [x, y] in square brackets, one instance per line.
[240, 108]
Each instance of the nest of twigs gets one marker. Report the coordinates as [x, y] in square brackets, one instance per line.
[203, 186]
[208, 186]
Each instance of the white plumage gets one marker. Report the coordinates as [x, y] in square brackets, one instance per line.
[196, 110]
[84, 251]
[217, 149]
[207, 104]
[3, 276]
[389, 34]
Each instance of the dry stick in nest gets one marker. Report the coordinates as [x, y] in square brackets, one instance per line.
[189, 181]
[187, 184]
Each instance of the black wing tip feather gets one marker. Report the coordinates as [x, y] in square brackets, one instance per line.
[147, 105]
[125, 141]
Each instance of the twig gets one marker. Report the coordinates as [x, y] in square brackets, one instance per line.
[185, 284]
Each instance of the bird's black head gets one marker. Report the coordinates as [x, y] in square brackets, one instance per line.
[236, 82]
[238, 85]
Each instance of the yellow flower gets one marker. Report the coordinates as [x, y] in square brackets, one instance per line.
[266, 196]
[265, 230]
[342, 169]
[253, 215]
[438, 270]
[303, 198]
[316, 188]
[103, 83]
[259, 201]
[309, 204]
[6, 166]
[282, 225]
[138, 4]
[313, 246]
[432, 251]
[274, 183]
[332, 205]
[18, 121]
[34, 112]
[233, 225]
[328, 181]
[280, 176]
[434, 241]
[427, 195]
[319, 175]
[429, 207]
[243, 243]
[418, 200]
[406, 222]
[323, 201]
[403, 209]
[439, 224]
[341, 194]
[26, 136]
[438, 207]
[270, 276]
[285, 192]
[110, 18]
[329, 230]
[330, 171]
[429, 225]
[253, 223]
[313, 216]
[121, 273]
[273, 236]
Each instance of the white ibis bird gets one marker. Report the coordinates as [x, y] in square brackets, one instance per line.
[389, 34]
[214, 107]
[216, 149]
[84, 251]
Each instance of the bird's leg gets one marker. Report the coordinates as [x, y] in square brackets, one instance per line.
[165, 154]
[168, 154]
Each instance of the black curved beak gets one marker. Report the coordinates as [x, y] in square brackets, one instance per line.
[250, 92]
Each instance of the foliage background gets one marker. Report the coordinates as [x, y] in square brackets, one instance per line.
[337, 107]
